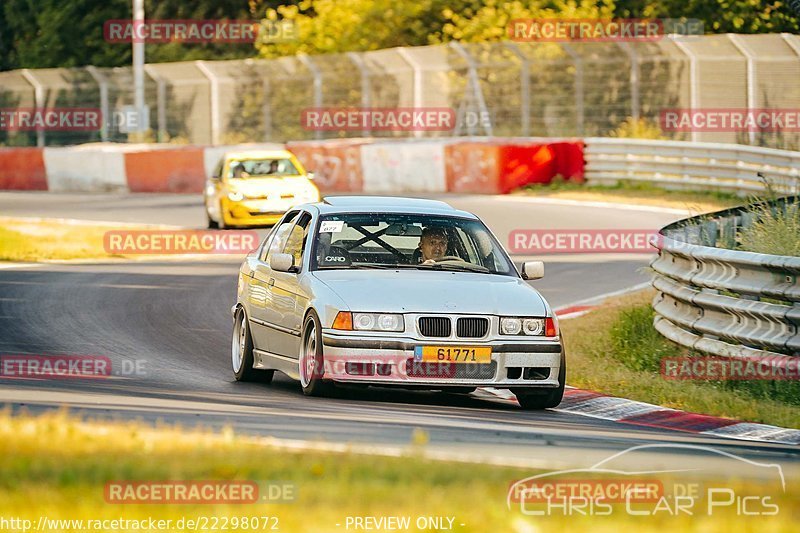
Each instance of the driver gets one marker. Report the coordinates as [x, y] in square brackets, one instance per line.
[432, 244]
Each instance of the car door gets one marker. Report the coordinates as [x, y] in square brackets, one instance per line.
[287, 296]
[262, 301]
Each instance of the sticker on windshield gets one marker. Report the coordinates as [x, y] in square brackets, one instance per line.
[331, 226]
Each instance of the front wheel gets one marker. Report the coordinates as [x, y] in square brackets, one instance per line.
[311, 361]
[547, 398]
[242, 353]
[212, 224]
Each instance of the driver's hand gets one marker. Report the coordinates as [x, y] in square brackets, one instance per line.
[429, 262]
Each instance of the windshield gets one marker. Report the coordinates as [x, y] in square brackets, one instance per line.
[259, 168]
[412, 241]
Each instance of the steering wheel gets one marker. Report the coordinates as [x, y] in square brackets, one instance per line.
[450, 258]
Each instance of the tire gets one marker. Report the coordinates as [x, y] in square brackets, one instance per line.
[547, 398]
[242, 352]
[212, 224]
[311, 363]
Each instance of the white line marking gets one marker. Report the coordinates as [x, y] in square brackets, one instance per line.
[601, 205]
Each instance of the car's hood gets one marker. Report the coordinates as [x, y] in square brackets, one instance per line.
[267, 186]
[418, 291]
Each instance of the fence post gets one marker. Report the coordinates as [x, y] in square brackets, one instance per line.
[634, 79]
[161, 102]
[524, 88]
[474, 82]
[102, 84]
[358, 61]
[417, 72]
[38, 99]
[213, 82]
[315, 71]
[751, 79]
[579, 99]
[694, 81]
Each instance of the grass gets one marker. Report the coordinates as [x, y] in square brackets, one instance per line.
[616, 350]
[775, 231]
[55, 465]
[639, 193]
[37, 240]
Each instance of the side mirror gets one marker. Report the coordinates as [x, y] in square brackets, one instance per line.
[532, 270]
[310, 175]
[281, 262]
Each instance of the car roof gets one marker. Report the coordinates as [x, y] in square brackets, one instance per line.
[259, 154]
[387, 204]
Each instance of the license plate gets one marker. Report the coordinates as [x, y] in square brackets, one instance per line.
[453, 354]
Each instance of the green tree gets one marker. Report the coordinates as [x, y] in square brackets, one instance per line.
[719, 16]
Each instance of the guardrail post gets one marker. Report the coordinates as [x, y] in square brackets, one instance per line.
[102, 84]
[524, 88]
[358, 61]
[39, 101]
[317, 74]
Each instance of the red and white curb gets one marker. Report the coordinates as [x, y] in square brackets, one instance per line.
[596, 405]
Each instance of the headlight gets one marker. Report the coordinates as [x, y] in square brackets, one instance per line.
[522, 326]
[510, 326]
[377, 322]
[533, 326]
[235, 196]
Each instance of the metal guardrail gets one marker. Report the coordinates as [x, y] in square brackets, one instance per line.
[676, 164]
[728, 303]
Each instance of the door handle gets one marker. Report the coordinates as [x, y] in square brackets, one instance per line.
[271, 282]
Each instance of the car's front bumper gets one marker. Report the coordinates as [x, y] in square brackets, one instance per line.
[517, 363]
[256, 212]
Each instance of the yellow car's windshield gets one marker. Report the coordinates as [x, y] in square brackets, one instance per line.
[261, 168]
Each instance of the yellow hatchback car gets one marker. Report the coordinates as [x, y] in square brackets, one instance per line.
[255, 188]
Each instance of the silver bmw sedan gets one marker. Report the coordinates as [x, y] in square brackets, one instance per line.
[395, 292]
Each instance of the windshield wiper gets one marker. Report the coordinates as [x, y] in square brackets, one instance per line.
[357, 266]
[465, 267]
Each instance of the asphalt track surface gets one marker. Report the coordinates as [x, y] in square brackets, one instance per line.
[174, 319]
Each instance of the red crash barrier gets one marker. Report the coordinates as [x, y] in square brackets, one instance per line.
[336, 163]
[498, 168]
[22, 169]
[168, 170]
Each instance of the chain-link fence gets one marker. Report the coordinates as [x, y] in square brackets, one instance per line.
[524, 89]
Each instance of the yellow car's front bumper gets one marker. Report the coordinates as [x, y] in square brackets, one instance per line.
[255, 212]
